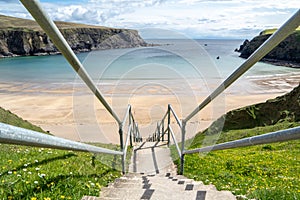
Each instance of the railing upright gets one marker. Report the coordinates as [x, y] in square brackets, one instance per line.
[183, 132]
[125, 149]
[133, 135]
[169, 123]
[163, 129]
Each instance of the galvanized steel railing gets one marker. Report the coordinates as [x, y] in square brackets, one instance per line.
[290, 134]
[133, 135]
[42, 18]
[14, 135]
[164, 127]
[278, 136]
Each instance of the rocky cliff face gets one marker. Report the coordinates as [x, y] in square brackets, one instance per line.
[21, 42]
[286, 53]
[20, 37]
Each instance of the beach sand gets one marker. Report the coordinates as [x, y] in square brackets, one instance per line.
[79, 116]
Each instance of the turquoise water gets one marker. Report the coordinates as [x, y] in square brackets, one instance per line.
[173, 60]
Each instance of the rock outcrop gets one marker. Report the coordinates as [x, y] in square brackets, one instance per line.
[287, 53]
[21, 40]
[282, 108]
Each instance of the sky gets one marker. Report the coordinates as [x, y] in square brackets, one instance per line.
[233, 19]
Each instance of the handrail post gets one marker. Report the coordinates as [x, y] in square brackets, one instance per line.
[130, 122]
[183, 131]
[169, 122]
[138, 133]
[122, 147]
[158, 132]
[163, 129]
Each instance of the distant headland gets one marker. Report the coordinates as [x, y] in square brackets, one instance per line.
[23, 37]
[287, 53]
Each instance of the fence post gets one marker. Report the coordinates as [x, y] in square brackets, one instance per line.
[182, 147]
[169, 121]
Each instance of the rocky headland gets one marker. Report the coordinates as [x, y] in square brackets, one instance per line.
[22, 37]
[287, 53]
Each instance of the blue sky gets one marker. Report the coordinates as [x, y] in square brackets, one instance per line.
[191, 18]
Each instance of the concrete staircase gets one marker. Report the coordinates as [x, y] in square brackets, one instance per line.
[158, 181]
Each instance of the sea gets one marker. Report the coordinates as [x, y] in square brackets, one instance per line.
[168, 67]
[180, 72]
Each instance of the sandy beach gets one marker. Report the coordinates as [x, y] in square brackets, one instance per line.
[68, 112]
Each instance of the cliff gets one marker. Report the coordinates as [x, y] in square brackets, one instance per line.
[22, 37]
[284, 108]
[287, 53]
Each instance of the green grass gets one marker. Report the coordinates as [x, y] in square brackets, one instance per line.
[38, 173]
[9, 118]
[41, 173]
[8, 22]
[271, 31]
[262, 172]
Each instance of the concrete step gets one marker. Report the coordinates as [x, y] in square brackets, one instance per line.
[90, 198]
[154, 176]
[124, 193]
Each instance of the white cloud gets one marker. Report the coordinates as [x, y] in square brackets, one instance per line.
[195, 18]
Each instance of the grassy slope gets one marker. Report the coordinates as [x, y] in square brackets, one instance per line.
[262, 172]
[38, 173]
[271, 31]
[13, 22]
[12, 119]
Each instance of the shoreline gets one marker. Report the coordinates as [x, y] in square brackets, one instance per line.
[283, 63]
[82, 118]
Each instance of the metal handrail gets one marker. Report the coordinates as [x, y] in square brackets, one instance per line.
[27, 137]
[14, 135]
[175, 141]
[8, 133]
[127, 113]
[129, 131]
[42, 18]
[278, 136]
[160, 126]
[131, 136]
[285, 30]
[176, 117]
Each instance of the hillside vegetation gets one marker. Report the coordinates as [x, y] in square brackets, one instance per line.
[8, 117]
[272, 30]
[14, 23]
[268, 171]
[40, 173]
